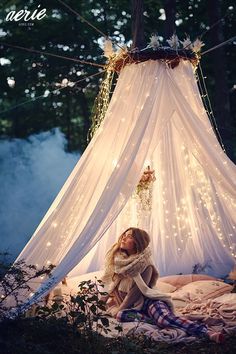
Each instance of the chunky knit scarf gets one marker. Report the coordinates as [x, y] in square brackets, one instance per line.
[131, 268]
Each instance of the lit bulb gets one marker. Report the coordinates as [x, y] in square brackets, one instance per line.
[115, 163]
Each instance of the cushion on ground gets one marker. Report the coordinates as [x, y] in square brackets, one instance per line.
[229, 299]
[180, 280]
[168, 284]
[164, 287]
[203, 290]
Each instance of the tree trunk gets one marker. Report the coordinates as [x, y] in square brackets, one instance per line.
[218, 58]
[170, 11]
[137, 24]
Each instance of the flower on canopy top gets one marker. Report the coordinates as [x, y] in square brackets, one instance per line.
[154, 42]
[108, 49]
[197, 45]
[173, 41]
[187, 44]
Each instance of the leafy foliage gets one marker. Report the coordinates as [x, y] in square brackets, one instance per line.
[85, 310]
[14, 280]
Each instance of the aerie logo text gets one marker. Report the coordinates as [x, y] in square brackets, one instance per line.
[26, 15]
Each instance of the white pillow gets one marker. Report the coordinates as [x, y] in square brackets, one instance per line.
[164, 287]
[229, 299]
[203, 290]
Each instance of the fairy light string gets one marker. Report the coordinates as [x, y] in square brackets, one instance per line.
[204, 101]
[210, 114]
[101, 103]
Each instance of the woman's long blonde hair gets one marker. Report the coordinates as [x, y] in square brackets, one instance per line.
[141, 239]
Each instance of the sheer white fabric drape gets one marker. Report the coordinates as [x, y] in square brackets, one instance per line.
[156, 117]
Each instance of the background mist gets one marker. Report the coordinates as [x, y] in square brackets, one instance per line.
[32, 172]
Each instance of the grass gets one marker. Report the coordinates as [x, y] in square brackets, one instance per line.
[48, 336]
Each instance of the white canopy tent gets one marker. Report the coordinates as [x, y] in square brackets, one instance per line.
[155, 118]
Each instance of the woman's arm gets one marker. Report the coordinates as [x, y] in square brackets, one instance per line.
[135, 294]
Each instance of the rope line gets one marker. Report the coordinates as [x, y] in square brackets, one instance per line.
[219, 45]
[89, 23]
[54, 91]
[83, 19]
[215, 24]
[51, 54]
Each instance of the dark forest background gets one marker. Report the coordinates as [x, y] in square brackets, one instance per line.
[25, 75]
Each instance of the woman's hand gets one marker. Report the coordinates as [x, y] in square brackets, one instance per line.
[113, 311]
[104, 298]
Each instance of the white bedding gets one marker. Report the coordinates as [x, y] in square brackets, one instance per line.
[210, 301]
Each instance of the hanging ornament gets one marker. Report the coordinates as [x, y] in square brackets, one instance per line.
[144, 188]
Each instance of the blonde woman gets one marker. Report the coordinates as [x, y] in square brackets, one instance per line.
[130, 276]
